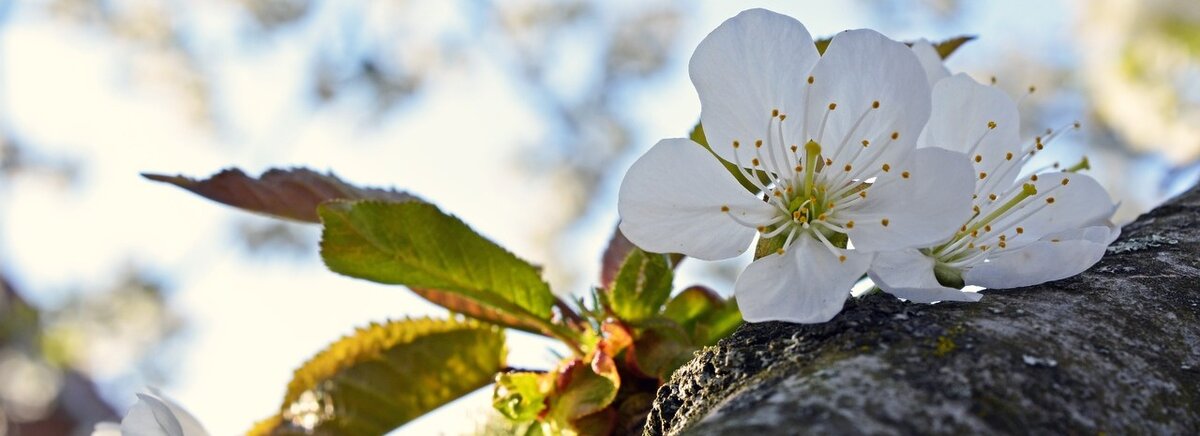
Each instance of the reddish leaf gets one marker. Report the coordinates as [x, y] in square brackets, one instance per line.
[285, 193]
[614, 255]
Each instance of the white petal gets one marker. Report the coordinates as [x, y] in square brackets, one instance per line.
[1057, 256]
[671, 200]
[1080, 203]
[106, 429]
[908, 274]
[150, 416]
[859, 68]
[806, 284]
[924, 208]
[750, 65]
[190, 425]
[963, 110]
[931, 61]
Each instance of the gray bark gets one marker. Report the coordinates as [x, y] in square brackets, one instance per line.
[1113, 350]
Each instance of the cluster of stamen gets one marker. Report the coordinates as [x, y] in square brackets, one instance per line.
[998, 210]
[800, 183]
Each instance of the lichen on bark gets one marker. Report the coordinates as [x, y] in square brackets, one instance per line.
[1113, 350]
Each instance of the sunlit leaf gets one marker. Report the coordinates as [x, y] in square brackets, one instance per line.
[385, 375]
[521, 396]
[284, 193]
[703, 314]
[641, 287]
[440, 258]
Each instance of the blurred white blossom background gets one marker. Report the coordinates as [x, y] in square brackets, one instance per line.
[518, 116]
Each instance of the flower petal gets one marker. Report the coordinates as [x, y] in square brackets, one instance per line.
[964, 112]
[931, 61]
[1080, 203]
[908, 274]
[750, 65]
[859, 68]
[671, 202]
[924, 201]
[190, 425]
[806, 284]
[150, 416]
[1056, 256]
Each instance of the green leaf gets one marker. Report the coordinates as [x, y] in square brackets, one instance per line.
[703, 314]
[641, 287]
[614, 256]
[521, 396]
[661, 348]
[582, 389]
[288, 193]
[944, 48]
[949, 46]
[440, 258]
[385, 375]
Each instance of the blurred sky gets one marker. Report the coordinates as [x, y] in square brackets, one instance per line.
[463, 138]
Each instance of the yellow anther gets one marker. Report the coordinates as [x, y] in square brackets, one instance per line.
[895, 135]
[982, 175]
[810, 80]
[1049, 200]
[1002, 244]
[904, 174]
[794, 148]
[828, 162]
[1020, 230]
[866, 143]
[993, 80]
[1076, 125]
[975, 208]
[758, 143]
[774, 113]
[887, 168]
[862, 194]
[821, 217]
[850, 224]
[992, 197]
[975, 233]
[991, 124]
[724, 208]
[762, 229]
[970, 245]
[1033, 178]
[875, 104]
[1008, 156]
[832, 106]
[1003, 238]
[754, 161]
[1065, 181]
[884, 222]
[1032, 89]
[987, 228]
[847, 168]
[978, 158]
[779, 251]
[829, 205]
[799, 168]
[736, 144]
[842, 258]
[782, 117]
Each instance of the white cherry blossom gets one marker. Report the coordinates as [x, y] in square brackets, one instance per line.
[828, 142]
[153, 415]
[1023, 229]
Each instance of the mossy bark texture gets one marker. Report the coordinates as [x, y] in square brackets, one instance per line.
[1115, 350]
